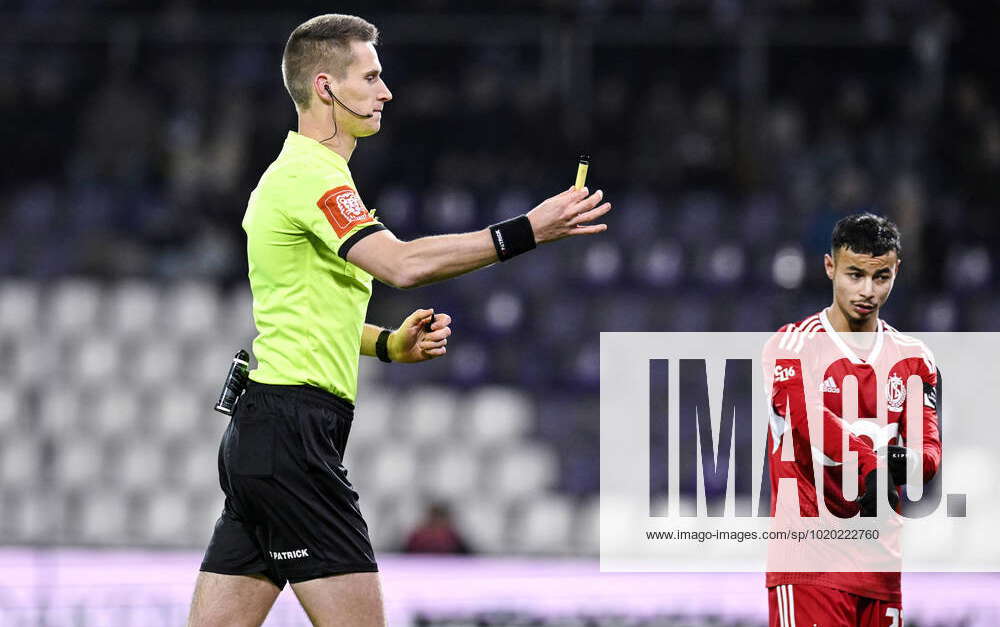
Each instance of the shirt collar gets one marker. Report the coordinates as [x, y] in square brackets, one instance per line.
[842, 345]
[300, 142]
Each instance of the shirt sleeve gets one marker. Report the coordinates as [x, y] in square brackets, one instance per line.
[332, 210]
[925, 367]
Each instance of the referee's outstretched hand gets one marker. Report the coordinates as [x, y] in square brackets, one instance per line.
[415, 341]
[568, 213]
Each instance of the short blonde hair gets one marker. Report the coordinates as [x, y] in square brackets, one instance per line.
[322, 44]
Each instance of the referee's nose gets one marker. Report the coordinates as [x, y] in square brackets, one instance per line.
[386, 95]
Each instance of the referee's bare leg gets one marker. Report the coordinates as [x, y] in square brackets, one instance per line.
[231, 600]
[353, 600]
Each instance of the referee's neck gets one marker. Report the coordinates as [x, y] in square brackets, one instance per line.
[341, 143]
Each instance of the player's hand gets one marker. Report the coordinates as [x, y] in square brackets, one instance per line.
[422, 336]
[900, 461]
[568, 213]
[868, 501]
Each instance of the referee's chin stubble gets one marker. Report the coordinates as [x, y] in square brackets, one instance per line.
[370, 126]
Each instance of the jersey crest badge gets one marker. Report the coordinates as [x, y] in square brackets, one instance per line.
[343, 209]
[895, 392]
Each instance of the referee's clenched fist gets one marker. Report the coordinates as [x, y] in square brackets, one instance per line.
[422, 336]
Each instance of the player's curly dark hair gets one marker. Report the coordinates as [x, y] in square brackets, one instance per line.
[321, 44]
[866, 233]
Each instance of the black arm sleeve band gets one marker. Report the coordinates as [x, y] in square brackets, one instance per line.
[512, 237]
[382, 346]
[930, 396]
[357, 237]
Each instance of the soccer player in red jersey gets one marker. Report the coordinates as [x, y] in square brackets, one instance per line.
[819, 362]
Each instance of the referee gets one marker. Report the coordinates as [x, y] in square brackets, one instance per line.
[291, 515]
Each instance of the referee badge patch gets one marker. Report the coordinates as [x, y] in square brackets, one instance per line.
[343, 209]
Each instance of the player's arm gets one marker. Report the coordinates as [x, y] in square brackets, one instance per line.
[422, 336]
[787, 380]
[901, 458]
[436, 258]
[369, 335]
[932, 434]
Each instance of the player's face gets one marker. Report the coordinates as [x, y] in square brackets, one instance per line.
[363, 90]
[861, 283]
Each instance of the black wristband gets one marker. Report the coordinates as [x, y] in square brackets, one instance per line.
[512, 237]
[382, 346]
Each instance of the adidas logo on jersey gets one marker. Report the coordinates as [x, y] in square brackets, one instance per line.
[830, 386]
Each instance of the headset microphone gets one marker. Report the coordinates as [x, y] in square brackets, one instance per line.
[349, 110]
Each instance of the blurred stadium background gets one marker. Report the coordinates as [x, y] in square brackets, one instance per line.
[730, 134]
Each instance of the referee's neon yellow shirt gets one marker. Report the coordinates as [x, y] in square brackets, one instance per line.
[309, 303]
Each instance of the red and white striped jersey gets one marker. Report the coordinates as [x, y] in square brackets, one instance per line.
[866, 385]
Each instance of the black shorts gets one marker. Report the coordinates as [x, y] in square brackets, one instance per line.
[290, 513]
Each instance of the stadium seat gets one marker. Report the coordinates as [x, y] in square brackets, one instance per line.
[59, 410]
[543, 524]
[521, 469]
[391, 472]
[78, 462]
[19, 306]
[35, 358]
[140, 465]
[198, 465]
[373, 418]
[72, 307]
[503, 311]
[726, 264]
[603, 263]
[483, 522]
[21, 461]
[96, 360]
[176, 413]
[451, 471]
[133, 307]
[116, 410]
[31, 515]
[166, 518]
[494, 415]
[425, 414]
[156, 359]
[190, 310]
[103, 518]
[10, 411]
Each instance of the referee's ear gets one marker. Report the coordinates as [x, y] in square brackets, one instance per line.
[322, 88]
